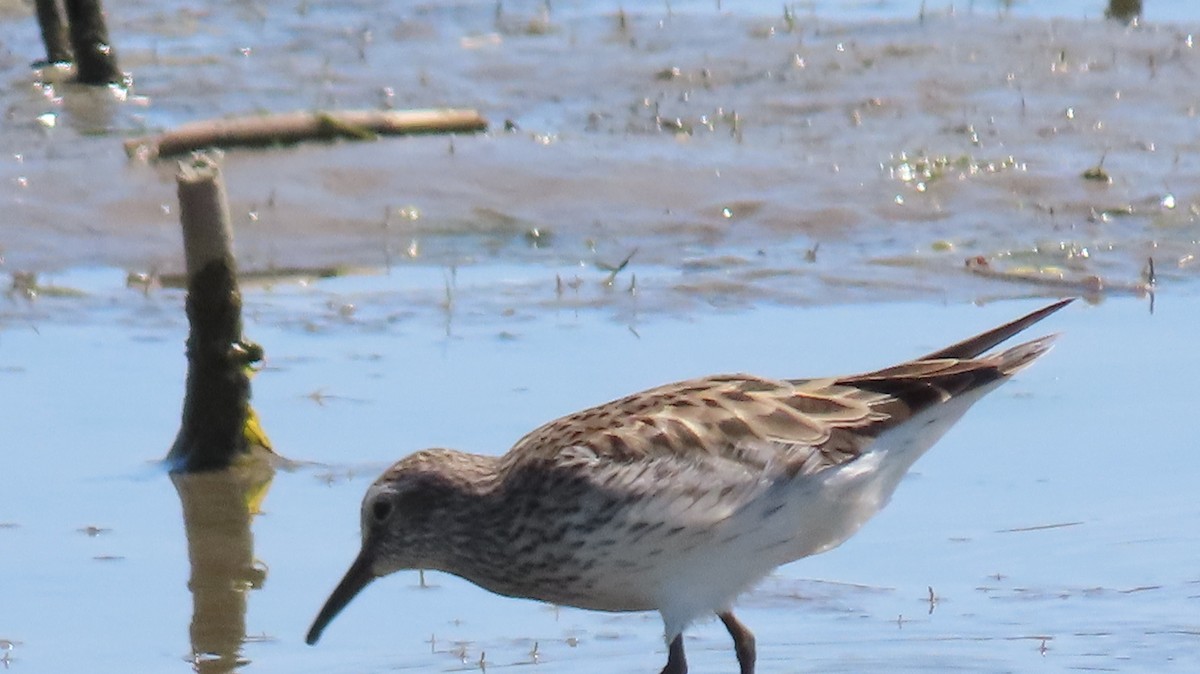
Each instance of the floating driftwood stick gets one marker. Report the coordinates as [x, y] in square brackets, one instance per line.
[95, 59]
[294, 127]
[270, 275]
[54, 31]
[218, 424]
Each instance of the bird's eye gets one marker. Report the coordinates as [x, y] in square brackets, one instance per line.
[381, 509]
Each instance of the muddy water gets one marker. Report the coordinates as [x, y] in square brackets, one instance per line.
[851, 156]
[743, 155]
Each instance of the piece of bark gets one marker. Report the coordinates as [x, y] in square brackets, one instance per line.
[294, 127]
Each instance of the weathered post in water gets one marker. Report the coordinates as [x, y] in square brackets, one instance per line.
[95, 59]
[216, 407]
[54, 31]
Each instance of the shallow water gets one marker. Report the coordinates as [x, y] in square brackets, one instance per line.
[824, 231]
[743, 154]
[1056, 524]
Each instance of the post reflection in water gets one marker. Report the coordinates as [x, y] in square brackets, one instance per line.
[217, 509]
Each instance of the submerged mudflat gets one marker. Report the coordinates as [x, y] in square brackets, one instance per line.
[738, 155]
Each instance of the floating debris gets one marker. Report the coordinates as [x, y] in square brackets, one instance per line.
[1097, 172]
[614, 270]
[1039, 527]
[810, 255]
[25, 285]
[268, 276]
[1054, 277]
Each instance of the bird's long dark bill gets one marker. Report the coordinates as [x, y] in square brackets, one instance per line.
[358, 577]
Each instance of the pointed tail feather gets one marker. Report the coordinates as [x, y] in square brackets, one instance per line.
[974, 346]
[959, 368]
[1017, 358]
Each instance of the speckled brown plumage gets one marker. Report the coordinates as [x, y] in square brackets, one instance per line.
[679, 498]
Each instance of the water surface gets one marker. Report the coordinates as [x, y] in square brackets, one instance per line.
[1055, 524]
[795, 194]
[743, 153]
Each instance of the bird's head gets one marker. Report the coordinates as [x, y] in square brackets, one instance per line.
[405, 516]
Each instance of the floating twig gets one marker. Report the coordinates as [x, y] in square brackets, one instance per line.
[295, 127]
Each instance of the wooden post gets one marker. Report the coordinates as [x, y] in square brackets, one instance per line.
[54, 31]
[95, 60]
[216, 405]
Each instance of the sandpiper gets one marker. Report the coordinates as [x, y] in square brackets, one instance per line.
[676, 499]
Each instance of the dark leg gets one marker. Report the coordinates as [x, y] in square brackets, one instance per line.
[743, 641]
[676, 664]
